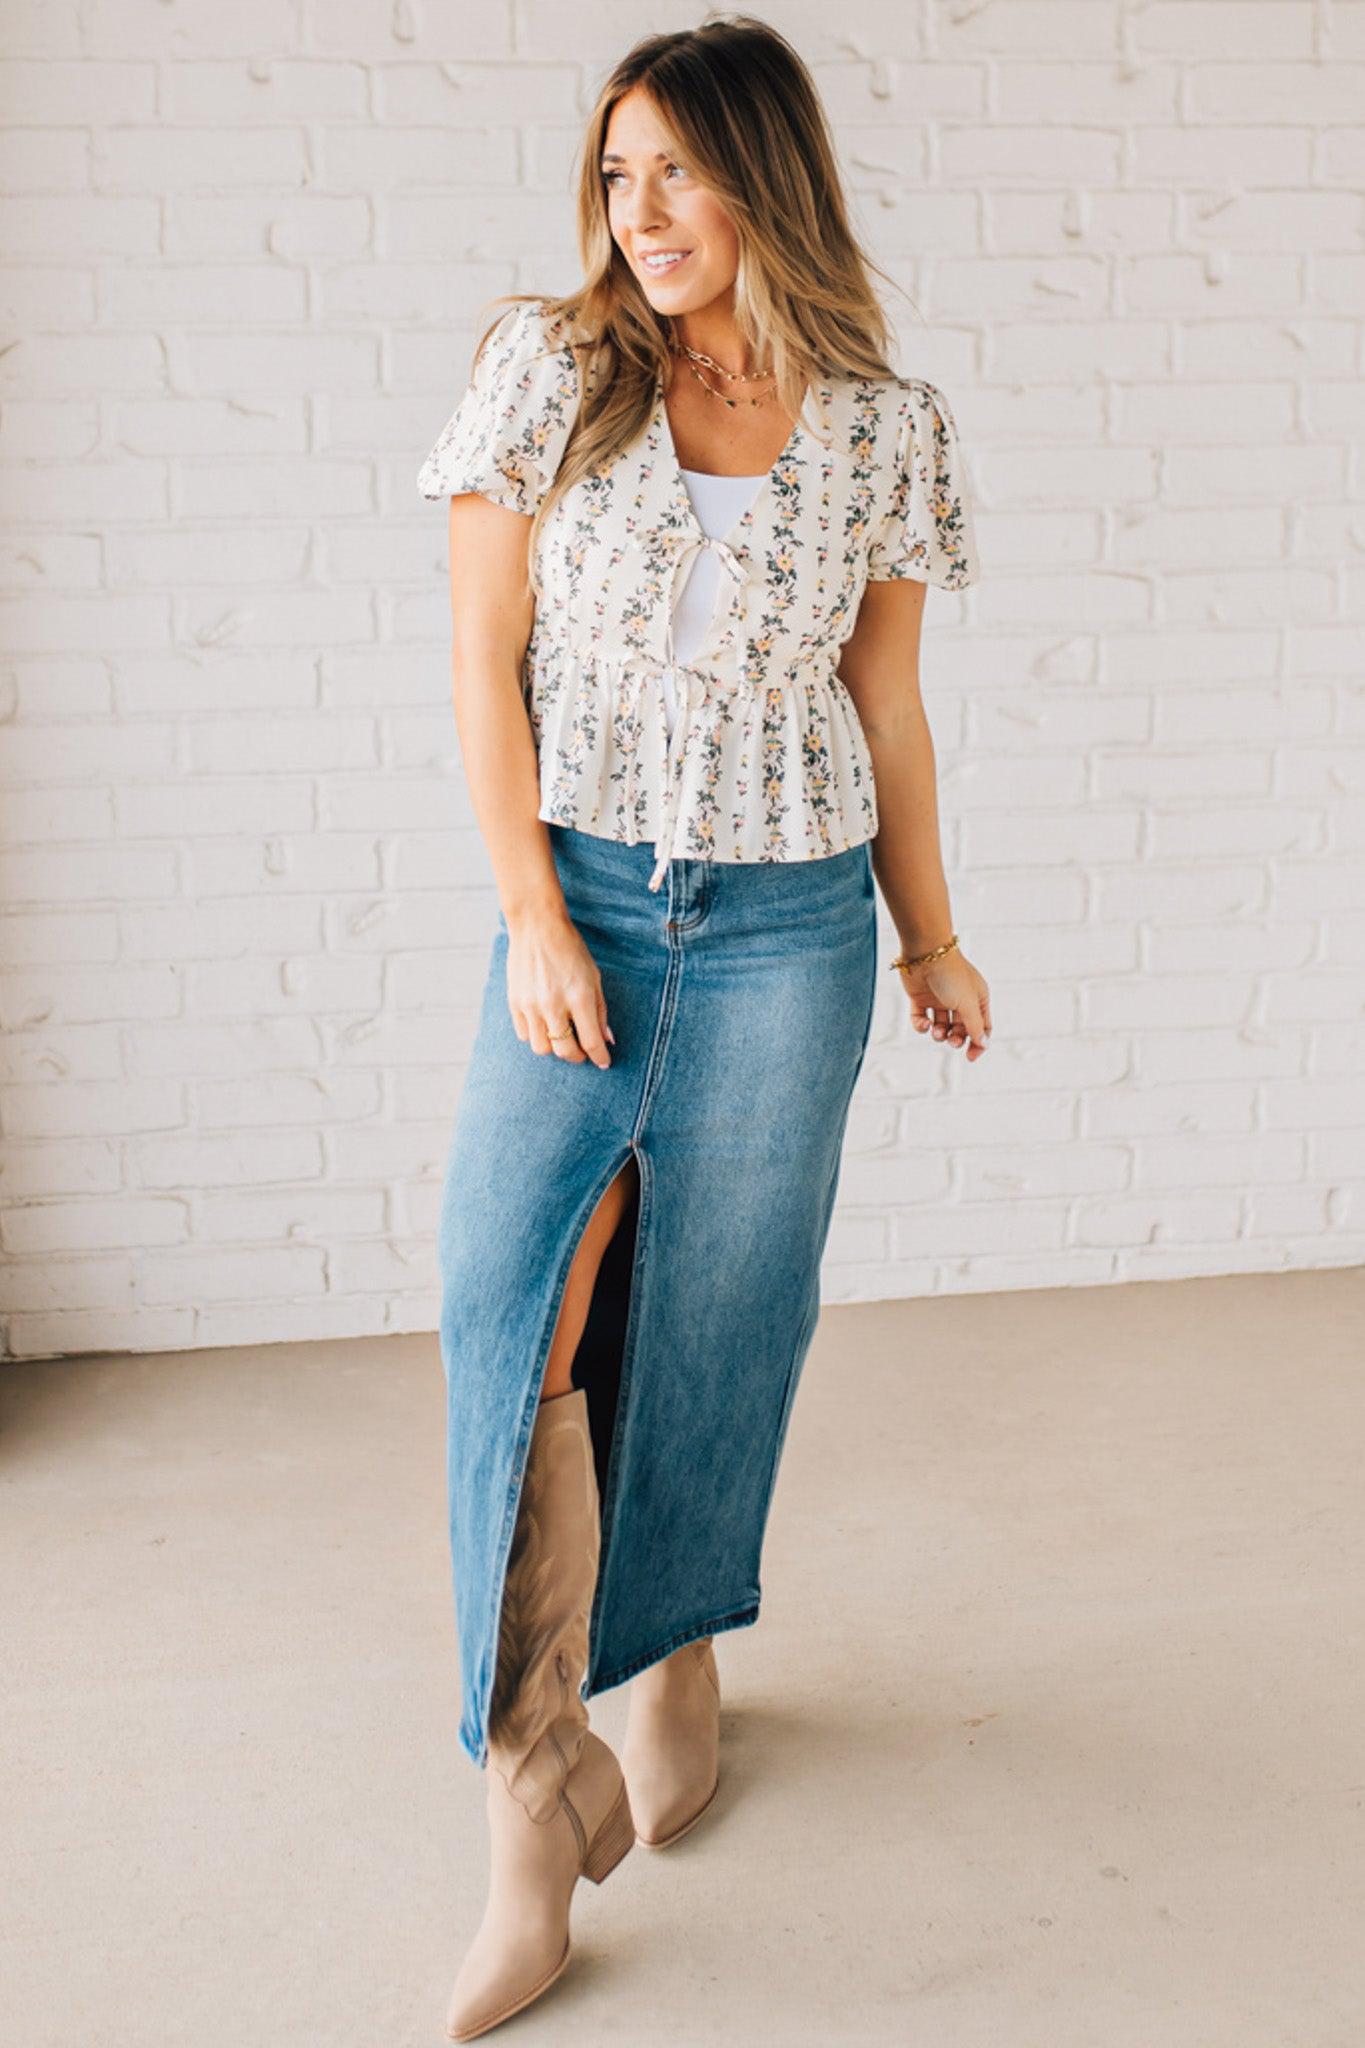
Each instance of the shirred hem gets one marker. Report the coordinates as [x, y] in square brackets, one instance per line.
[781, 770]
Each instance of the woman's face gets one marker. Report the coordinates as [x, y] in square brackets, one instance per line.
[657, 208]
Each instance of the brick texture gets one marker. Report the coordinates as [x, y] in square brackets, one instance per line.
[246, 910]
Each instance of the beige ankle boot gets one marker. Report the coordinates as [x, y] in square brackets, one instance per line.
[557, 1804]
[671, 1753]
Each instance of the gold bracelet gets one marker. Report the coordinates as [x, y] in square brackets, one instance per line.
[920, 959]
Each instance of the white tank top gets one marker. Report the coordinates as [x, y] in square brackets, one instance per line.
[718, 502]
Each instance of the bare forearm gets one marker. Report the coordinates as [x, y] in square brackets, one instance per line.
[498, 748]
[907, 856]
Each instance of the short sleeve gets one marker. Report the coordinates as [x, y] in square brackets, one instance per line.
[927, 530]
[507, 436]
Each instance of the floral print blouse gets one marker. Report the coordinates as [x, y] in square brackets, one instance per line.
[767, 759]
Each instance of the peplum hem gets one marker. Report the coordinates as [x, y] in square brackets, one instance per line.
[778, 771]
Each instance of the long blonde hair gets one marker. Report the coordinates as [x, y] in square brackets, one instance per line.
[744, 114]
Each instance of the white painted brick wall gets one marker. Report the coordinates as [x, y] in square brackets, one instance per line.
[246, 908]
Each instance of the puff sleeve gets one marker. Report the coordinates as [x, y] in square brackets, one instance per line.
[927, 530]
[507, 436]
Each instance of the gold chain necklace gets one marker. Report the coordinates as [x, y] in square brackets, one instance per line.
[695, 357]
[734, 376]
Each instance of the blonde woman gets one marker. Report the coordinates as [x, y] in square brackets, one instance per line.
[693, 515]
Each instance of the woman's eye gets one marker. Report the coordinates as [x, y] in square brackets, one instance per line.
[610, 177]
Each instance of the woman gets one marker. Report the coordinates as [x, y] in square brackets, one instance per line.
[693, 514]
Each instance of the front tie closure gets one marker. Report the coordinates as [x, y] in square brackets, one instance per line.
[667, 547]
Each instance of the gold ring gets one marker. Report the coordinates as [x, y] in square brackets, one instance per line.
[567, 1032]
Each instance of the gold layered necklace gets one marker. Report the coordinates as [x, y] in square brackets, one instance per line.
[696, 358]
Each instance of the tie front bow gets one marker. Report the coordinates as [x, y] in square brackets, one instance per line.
[668, 544]
[666, 548]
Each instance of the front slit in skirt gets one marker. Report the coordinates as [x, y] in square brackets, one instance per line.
[741, 997]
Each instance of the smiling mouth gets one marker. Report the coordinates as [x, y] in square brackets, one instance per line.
[659, 266]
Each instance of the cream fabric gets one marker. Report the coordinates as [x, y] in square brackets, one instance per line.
[767, 759]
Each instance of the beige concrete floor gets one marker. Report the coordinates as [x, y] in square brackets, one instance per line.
[1050, 1735]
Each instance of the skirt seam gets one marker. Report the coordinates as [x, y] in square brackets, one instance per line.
[615, 1457]
[662, 1033]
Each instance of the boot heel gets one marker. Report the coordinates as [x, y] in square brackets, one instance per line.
[611, 1842]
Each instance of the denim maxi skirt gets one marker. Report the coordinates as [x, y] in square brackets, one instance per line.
[741, 997]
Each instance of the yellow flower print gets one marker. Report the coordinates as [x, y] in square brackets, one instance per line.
[763, 741]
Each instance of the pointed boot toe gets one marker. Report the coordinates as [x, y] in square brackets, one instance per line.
[671, 1754]
[522, 1944]
[505, 1969]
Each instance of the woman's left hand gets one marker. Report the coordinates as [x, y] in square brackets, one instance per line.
[950, 999]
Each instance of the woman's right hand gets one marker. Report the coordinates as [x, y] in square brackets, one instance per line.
[553, 984]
